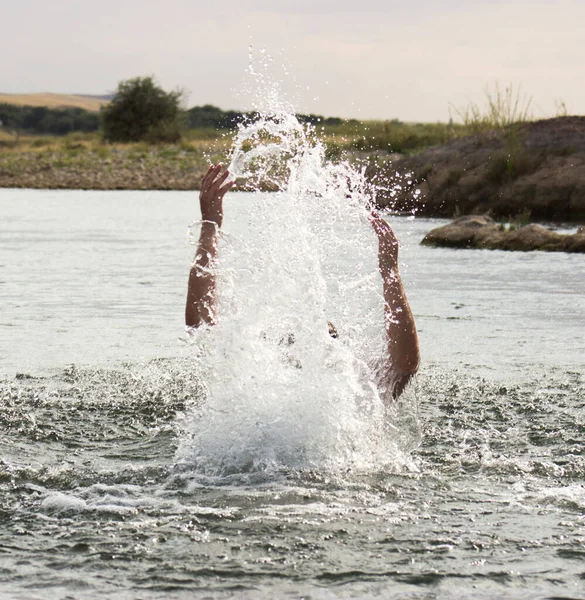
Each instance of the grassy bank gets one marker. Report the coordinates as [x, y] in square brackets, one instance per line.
[84, 161]
[387, 136]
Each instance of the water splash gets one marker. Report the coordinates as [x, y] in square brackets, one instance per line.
[281, 392]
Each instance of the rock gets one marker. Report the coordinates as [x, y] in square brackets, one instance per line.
[576, 242]
[483, 232]
[461, 233]
[531, 237]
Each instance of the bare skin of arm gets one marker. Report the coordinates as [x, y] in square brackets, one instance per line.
[403, 356]
[201, 306]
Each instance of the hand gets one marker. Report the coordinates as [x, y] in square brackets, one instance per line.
[387, 243]
[213, 189]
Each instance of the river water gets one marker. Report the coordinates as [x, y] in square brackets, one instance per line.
[482, 495]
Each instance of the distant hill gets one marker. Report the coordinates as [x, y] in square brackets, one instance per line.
[91, 103]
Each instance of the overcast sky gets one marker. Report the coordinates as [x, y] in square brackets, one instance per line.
[406, 59]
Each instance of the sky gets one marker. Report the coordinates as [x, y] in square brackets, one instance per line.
[368, 59]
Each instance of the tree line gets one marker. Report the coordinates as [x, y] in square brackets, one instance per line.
[43, 120]
[211, 116]
[139, 110]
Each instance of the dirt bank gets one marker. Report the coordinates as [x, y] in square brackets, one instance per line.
[536, 169]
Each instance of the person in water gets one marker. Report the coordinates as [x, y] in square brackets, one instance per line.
[402, 357]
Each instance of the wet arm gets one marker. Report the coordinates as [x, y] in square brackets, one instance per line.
[201, 292]
[403, 356]
[201, 305]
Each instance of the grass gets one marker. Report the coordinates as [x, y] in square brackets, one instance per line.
[92, 142]
[365, 138]
[85, 161]
[504, 107]
[517, 221]
[370, 142]
[386, 137]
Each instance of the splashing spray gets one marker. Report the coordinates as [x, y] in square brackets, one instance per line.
[281, 391]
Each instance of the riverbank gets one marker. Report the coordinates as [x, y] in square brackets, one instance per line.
[535, 169]
[84, 163]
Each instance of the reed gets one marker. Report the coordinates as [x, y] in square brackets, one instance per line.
[504, 107]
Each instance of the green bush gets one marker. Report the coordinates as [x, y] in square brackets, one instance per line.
[141, 110]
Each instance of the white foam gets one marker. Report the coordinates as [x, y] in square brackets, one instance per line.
[59, 502]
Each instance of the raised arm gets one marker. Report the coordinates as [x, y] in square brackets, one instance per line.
[201, 304]
[403, 357]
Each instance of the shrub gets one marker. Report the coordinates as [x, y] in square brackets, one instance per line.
[141, 110]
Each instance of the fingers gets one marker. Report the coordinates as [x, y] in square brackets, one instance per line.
[213, 182]
[209, 177]
[213, 188]
[388, 248]
[379, 225]
[224, 189]
[219, 179]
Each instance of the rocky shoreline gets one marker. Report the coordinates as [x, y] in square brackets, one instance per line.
[88, 171]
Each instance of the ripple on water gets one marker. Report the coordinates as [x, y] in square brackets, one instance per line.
[495, 501]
